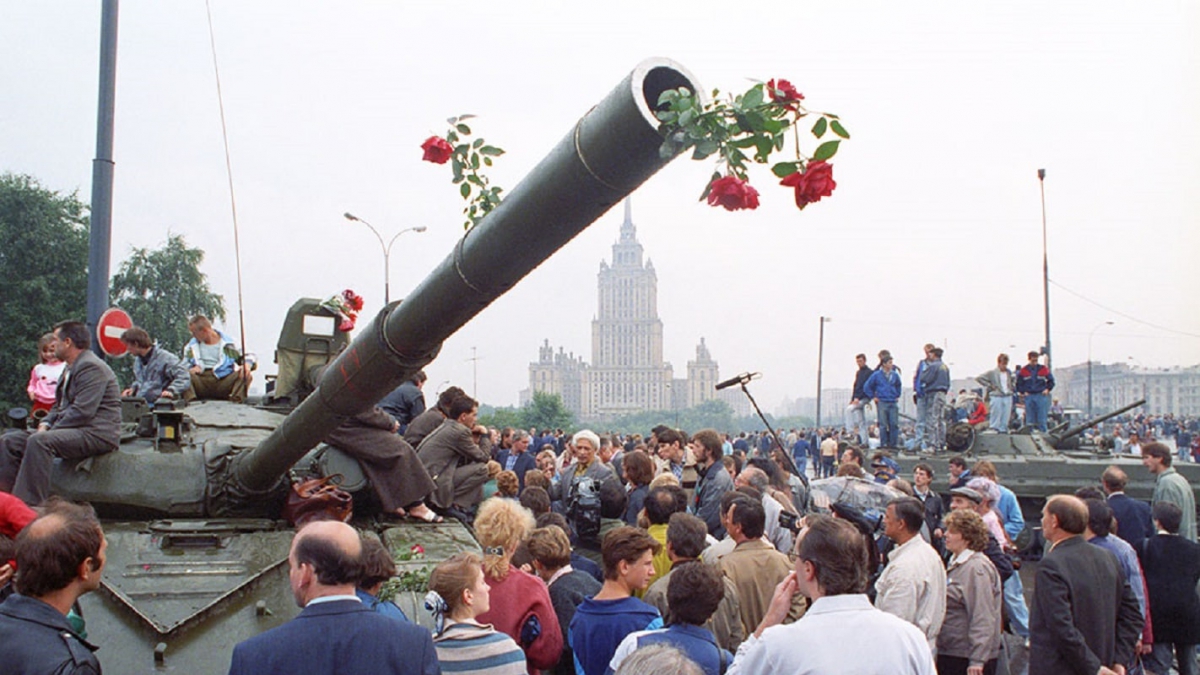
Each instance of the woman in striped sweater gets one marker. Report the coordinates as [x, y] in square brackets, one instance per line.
[458, 594]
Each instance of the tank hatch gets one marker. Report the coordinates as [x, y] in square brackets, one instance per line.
[172, 572]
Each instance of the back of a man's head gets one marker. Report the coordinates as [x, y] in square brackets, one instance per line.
[686, 535]
[694, 591]
[333, 550]
[661, 502]
[52, 547]
[838, 554]
[1071, 513]
[1114, 479]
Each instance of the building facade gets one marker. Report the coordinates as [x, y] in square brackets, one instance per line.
[627, 373]
[1166, 390]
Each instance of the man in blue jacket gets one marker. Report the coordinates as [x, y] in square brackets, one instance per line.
[335, 633]
[884, 387]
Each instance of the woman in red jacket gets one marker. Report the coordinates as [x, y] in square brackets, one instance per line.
[520, 603]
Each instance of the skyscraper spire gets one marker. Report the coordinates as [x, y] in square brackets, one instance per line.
[628, 231]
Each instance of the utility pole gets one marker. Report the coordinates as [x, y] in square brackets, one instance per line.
[1045, 265]
[820, 363]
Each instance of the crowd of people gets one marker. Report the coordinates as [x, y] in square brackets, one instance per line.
[673, 552]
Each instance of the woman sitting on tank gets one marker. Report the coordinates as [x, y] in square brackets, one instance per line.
[969, 641]
[520, 603]
[396, 474]
[458, 594]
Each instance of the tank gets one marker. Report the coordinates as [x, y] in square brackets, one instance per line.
[197, 557]
[1036, 465]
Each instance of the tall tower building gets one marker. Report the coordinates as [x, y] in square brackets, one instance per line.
[627, 373]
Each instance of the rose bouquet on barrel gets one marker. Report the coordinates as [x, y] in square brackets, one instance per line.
[738, 130]
[750, 128]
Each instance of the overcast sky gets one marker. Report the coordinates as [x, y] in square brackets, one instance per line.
[933, 234]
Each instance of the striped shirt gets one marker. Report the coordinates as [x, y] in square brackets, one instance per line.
[475, 649]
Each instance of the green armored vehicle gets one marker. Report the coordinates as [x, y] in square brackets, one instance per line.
[197, 555]
[1035, 465]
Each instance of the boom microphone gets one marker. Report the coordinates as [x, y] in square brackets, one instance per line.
[743, 378]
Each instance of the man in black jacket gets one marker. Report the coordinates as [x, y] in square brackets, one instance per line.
[61, 557]
[1085, 618]
[1133, 516]
[855, 418]
[1172, 568]
[85, 419]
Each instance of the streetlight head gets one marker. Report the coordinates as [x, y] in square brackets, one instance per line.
[1108, 323]
[1041, 174]
[349, 216]
[420, 228]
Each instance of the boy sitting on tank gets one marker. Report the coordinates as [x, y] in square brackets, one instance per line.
[218, 371]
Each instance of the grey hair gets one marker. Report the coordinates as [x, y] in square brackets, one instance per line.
[589, 436]
[658, 659]
[520, 435]
[757, 478]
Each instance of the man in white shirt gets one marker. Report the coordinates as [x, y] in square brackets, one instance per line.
[831, 570]
[913, 585]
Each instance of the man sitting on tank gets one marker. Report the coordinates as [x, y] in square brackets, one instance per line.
[218, 371]
[85, 420]
[157, 373]
[456, 456]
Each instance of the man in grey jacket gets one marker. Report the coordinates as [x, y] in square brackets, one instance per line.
[935, 382]
[999, 385]
[456, 456]
[157, 373]
[85, 419]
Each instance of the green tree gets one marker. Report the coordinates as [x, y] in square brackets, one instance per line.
[162, 288]
[546, 411]
[43, 273]
[498, 418]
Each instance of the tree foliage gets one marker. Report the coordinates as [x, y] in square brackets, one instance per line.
[544, 411]
[162, 288]
[43, 273]
[708, 415]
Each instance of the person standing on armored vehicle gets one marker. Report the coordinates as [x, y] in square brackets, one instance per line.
[216, 365]
[998, 383]
[1035, 381]
[935, 382]
[856, 420]
[157, 373]
[456, 455]
[85, 419]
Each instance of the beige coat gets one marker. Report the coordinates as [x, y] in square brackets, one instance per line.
[755, 568]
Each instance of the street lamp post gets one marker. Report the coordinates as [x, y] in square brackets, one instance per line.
[1098, 327]
[387, 251]
[820, 363]
[1045, 265]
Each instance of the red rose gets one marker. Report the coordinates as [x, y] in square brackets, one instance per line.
[815, 182]
[437, 150]
[782, 91]
[346, 325]
[353, 300]
[733, 193]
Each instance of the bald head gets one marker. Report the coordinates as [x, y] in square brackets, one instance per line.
[1064, 516]
[326, 559]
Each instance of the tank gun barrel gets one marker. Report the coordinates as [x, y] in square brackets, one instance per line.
[611, 150]
[1088, 424]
